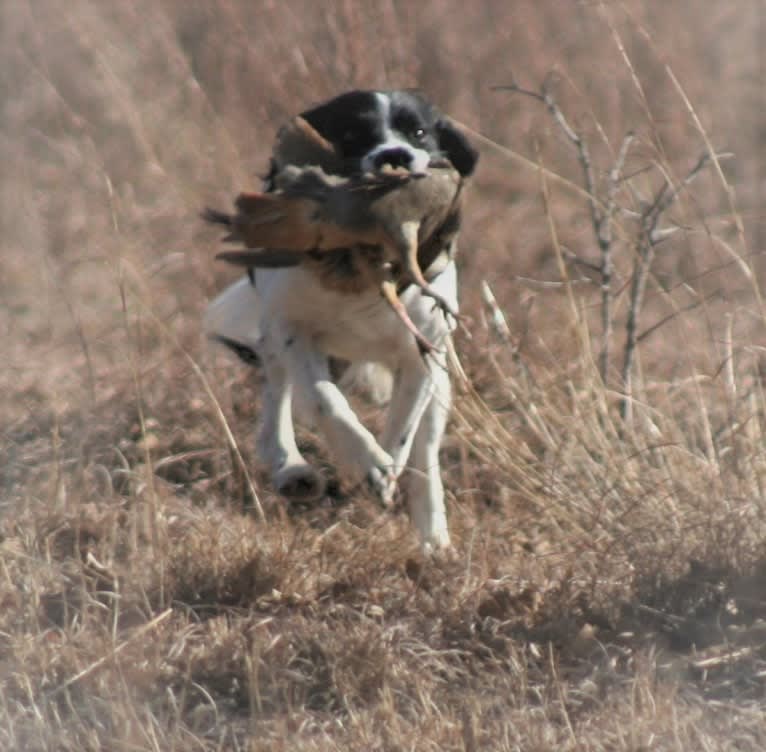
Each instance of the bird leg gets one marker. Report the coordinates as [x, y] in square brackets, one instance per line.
[409, 255]
[388, 291]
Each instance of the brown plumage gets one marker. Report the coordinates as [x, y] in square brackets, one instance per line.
[311, 214]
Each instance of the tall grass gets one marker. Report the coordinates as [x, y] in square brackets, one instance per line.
[607, 588]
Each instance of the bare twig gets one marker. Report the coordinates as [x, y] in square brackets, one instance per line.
[573, 258]
[601, 212]
[664, 320]
[499, 323]
[645, 256]
[650, 236]
[604, 234]
[667, 195]
[583, 153]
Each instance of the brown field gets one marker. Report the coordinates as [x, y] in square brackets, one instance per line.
[609, 586]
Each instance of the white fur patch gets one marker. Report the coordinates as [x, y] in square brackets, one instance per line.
[420, 157]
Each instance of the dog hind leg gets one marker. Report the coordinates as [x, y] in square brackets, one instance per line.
[292, 476]
[233, 319]
[425, 491]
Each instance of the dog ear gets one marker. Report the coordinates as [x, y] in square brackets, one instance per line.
[457, 147]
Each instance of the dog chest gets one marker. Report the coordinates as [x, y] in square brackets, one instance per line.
[353, 326]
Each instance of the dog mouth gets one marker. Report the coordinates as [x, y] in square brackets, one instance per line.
[396, 156]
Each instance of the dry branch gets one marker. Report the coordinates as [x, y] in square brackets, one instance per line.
[650, 236]
[602, 211]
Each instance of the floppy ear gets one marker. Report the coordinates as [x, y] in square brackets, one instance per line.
[457, 147]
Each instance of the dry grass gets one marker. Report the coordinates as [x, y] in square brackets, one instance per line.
[608, 588]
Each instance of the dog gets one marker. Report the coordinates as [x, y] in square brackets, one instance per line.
[296, 322]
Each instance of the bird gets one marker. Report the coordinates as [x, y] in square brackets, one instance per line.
[310, 211]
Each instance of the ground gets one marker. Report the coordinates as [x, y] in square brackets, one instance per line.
[606, 590]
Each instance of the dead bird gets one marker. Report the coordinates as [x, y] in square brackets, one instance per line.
[311, 212]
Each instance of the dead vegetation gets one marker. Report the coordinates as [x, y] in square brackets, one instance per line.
[608, 587]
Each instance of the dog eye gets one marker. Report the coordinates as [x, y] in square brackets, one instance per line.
[419, 134]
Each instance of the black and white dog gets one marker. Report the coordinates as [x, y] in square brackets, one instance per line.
[293, 324]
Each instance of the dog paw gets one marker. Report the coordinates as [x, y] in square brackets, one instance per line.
[382, 482]
[440, 552]
[300, 484]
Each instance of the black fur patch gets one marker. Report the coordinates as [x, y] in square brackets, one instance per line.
[244, 353]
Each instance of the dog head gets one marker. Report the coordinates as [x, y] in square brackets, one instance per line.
[370, 129]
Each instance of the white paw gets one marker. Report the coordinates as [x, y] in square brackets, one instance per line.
[372, 466]
[440, 551]
[299, 483]
[382, 482]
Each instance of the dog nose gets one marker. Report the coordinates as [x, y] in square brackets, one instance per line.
[396, 157]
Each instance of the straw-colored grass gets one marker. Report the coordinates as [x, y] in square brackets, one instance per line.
[607, 588]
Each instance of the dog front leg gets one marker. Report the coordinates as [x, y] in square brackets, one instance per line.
[351, 444]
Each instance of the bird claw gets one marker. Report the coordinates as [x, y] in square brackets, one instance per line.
[442, 304]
